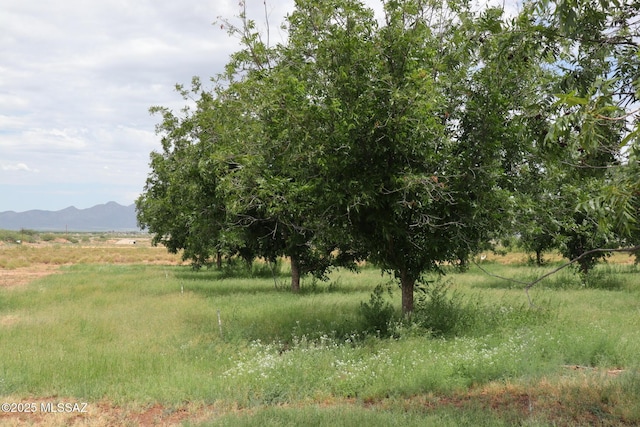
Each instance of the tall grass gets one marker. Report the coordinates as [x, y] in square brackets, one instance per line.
[146, 334]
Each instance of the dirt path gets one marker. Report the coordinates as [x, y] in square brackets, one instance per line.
[51, 412]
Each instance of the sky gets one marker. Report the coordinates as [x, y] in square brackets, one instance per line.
[77, 79]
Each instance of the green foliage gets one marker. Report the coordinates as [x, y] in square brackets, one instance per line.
[27, 236]
[377, 313]
[443, 313]
[413, 142]
[597, 92]
[446, 313]
[352, 140]
[181, 204]
[48, 237]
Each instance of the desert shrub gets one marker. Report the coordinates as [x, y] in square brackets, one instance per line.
[442, 312]
[377, 313]
[7, 236]
[48, 237]
[446, 313]
[24, 235]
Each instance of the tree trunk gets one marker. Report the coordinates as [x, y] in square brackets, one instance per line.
[295, 275]
[539, 258]
[219, 260]
[407, 284]
[584, 267]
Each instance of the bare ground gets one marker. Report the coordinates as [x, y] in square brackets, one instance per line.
[23, 275]
[56, 411]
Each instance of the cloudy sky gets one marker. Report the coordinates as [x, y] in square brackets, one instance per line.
[77, 79]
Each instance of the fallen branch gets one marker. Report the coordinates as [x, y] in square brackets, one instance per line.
[529, 285]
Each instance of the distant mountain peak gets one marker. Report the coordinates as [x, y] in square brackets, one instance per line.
[110, 216]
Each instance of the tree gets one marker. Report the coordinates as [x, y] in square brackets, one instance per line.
[233, 175]
[574, 138]
[276, 188]
[402, 141]
[590, 150]
[407, 130]
[597, 54]
[171, 205]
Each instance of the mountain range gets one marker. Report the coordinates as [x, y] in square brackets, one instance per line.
[108, 217]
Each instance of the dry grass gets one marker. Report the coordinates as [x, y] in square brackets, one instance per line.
[21, 264]
[105, 413]
[513, 258]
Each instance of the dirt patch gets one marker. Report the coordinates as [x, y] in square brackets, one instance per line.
[146, 242]
[23, 275]
[574, 400]
[8, 320]
[158, 415]
[67, 412]
[592, 370]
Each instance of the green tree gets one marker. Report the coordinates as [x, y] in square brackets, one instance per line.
[407, 130]
[275, 190]
[407, 141]
[597, 121]
[171, 204]
[234, 174]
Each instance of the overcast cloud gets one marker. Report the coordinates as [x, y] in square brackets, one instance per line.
[77, 79]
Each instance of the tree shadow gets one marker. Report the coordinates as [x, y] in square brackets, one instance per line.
[253, 286]
[234, 272]
[214, 282]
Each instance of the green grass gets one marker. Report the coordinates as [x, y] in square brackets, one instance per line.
[140, 335]
[346, 416]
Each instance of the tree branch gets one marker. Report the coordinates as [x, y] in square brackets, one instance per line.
[529, 285]
[624, 117]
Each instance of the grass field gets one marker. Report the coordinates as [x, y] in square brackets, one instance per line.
[143, 341]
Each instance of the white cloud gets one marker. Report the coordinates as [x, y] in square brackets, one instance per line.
[20, 167]
[53, 140]
[77, 79]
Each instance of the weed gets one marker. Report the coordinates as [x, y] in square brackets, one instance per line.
[446, 313]
[603, 278]
[443, 313]
[377, 313]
